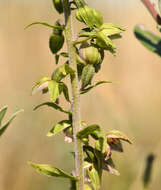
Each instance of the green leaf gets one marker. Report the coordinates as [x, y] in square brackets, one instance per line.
[64, 54]
[105, 42]
[151, 41]
[51, 171]
[59, 127]
[53, 105]
[62, 72]
[95, 178]
[2, 113]
[5, 126]
[44, 24]
[65, 91]
[40, 84]
[85, 90]
[87, 131]
[101, 144]
[87, 75]
[115, 134]
[54, 90]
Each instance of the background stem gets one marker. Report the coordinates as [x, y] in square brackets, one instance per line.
[152, 11]
[75, 97]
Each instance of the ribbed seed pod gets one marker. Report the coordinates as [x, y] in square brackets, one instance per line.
[58, 6]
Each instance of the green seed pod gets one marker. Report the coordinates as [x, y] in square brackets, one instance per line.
[90, 54]
[56, 42]
[58, 6]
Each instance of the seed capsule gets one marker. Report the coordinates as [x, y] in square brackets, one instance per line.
[90, 54]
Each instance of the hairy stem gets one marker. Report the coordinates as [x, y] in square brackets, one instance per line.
[75, 97]
[152, 11]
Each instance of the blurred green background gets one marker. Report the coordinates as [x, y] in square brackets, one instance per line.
[132, 106]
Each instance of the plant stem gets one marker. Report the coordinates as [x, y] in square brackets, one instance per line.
[152, 11]
[75, 97]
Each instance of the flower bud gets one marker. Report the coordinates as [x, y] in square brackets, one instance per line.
[58, 5]
[56, 42]
[90, 54]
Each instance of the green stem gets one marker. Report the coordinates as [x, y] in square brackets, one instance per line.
[75, 97]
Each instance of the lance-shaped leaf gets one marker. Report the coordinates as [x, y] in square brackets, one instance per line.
[65, 91]
[85, 90]
[105, 42]
[148, 39]
[51, 171]
[94, 176]
[87, 75]
[62, 72]
[41, 84]
[111, 29]
[60, 126]
[52, 105]
[87, 131]
[5, 126]
[44, 24]
[2, 113]
[54, 90]
[101, 144]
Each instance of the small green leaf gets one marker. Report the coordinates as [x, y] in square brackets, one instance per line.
[105, 42]
[65, 91]
[115, 134]
[40, 84]
[101, 144]
[2, 113]
[85, 90]
[94, 176]
[51, 171]
[151, 41]
[5, 126]
[59, 127]
[53, 105]
[87, 131]
[64, 54]
[44, 24]
[54, 90]
[87, 75]
[62, 72]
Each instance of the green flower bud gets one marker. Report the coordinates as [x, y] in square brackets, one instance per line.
[58, 6]
[56, 42]
[90, 54]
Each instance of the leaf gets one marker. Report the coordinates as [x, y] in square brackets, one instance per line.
[64, 54]
[51, 171]
[5, 126]
[87, 75]
[115, 134]
[105, 42]
[53, 105]
[62, 72]
[54, 90]
[101, 144]
[44, 24]
[40, 84]
[2, 113]
[94, 176]
[151, 41]
[65, 91]
[59, 127]
[87, 131]
[85, 90]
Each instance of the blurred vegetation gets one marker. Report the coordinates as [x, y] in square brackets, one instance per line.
[132, 106]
